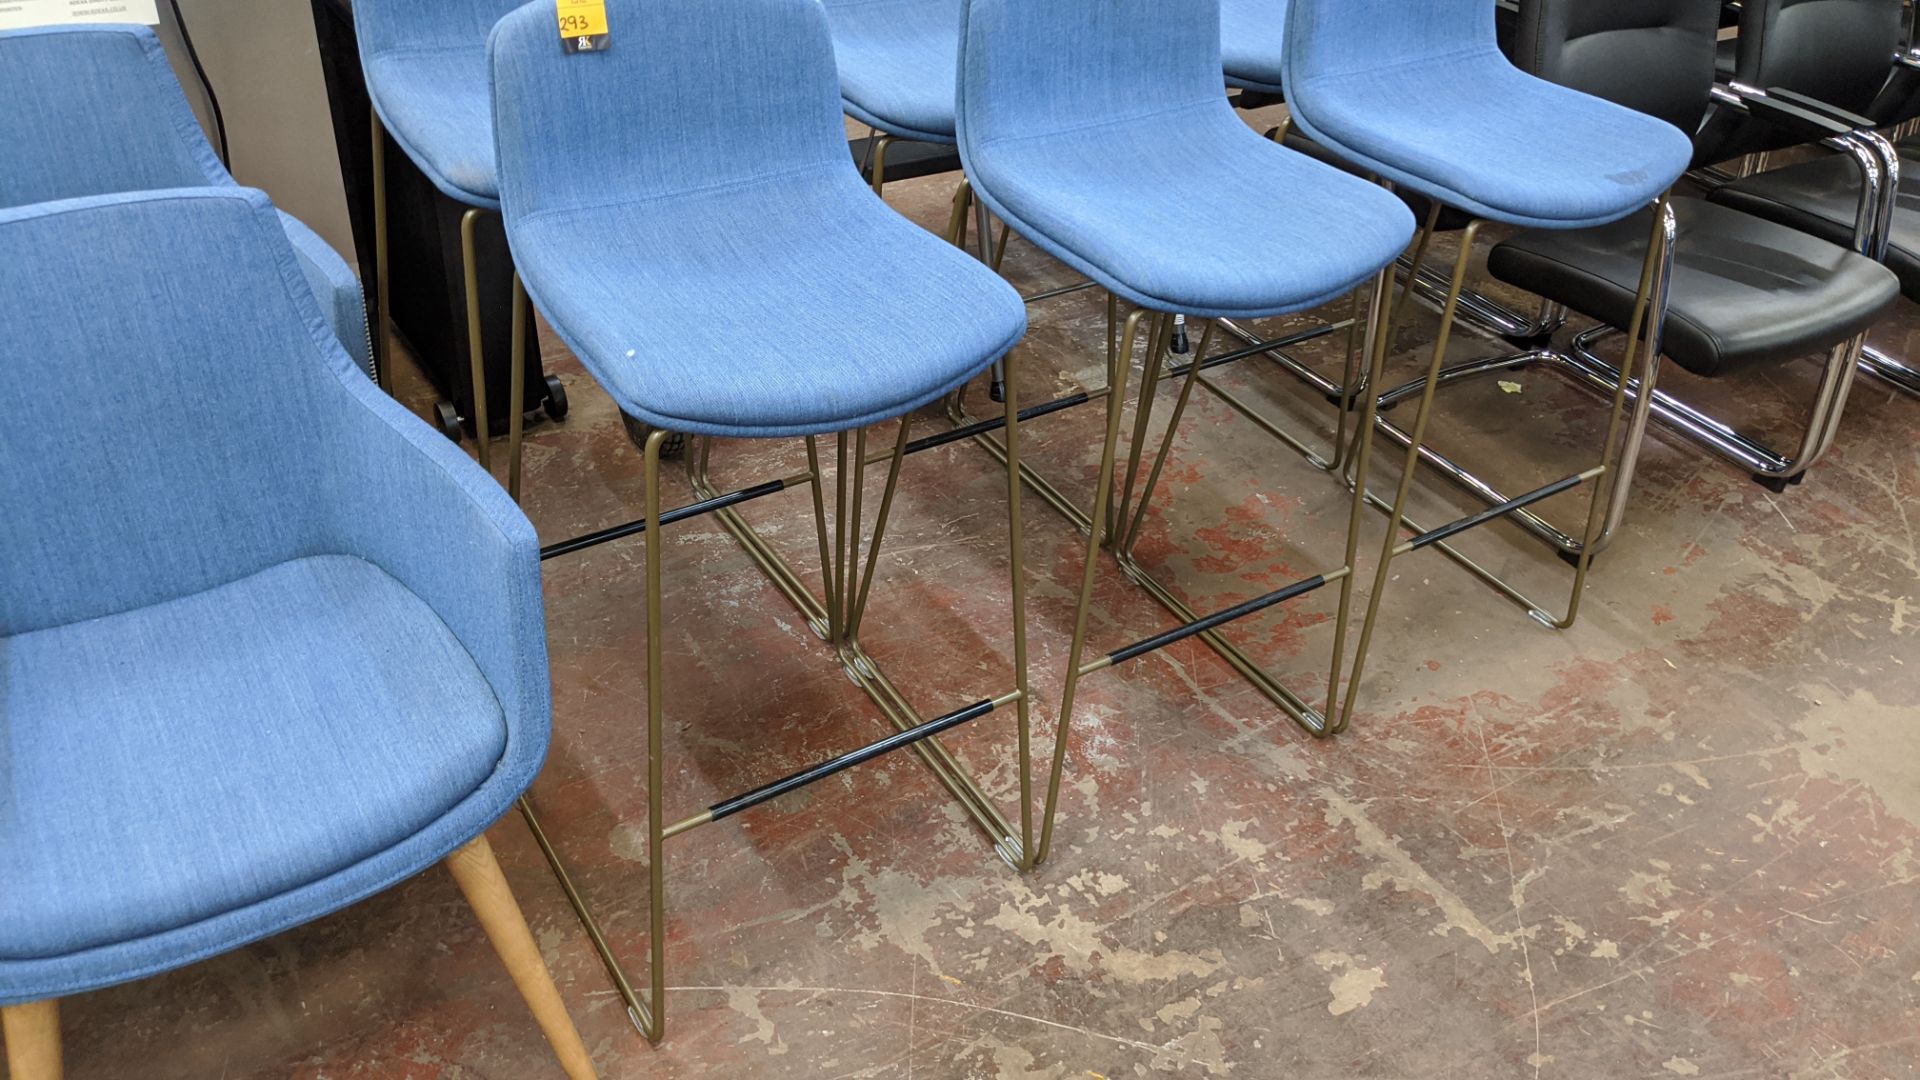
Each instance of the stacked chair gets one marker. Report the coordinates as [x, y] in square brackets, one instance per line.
[96, 110]
[254, 672]
[1835, 61]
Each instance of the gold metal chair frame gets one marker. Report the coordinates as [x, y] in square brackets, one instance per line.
[837, 620]
[470, 267]
[1154, 371]
[1609, 480]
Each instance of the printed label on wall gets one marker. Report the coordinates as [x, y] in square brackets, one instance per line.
[17, 13]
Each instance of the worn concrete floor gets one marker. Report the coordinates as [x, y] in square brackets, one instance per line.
[1678, 840]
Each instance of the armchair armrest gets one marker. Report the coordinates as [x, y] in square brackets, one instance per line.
[404, 498]
[1851, 135]
[335, 289]
[1805, 124]
[1852, 120]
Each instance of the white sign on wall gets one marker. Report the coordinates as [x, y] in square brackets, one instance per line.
[17, 13]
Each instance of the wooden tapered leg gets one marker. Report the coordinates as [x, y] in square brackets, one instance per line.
[33, 1040]
[479, 876]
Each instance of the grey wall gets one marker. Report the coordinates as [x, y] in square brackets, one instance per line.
[261, 57]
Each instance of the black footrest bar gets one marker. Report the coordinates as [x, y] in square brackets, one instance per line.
[897, 741]
[1452, 529]
[682, 513]
[986, 426]
[1214, 621]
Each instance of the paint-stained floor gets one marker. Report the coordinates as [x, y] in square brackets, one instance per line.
[1679, 840]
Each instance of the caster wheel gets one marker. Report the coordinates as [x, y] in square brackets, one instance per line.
[639, 431]
[447, 419]
[556, 406]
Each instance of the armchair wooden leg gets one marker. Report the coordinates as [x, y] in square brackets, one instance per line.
[478, 874]
[33, 1040]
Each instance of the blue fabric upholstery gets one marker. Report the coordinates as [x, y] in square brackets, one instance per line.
[1253, 43]
[1099, 130]
[1420, 94]
[701, 239]
[251, 670]
[896, 60]
[426, 70]
[94, 110]
[133, 719]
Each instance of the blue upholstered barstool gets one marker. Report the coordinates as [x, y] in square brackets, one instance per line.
[710, 185]
[425, 63]
[253, 672]
[96, 110]
[1421, 96]
[1067, 112]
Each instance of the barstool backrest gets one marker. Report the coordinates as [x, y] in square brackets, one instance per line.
[1652, 55]
[1029, 67]
[689, 96]
[1838, 51]
[94, 110]
[399, 25]
[1334, 38]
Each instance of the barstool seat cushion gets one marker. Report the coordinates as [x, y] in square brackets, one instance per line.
[1745, 291]
[1821, 196]
[1253, 43]
[437, 105]
[223, 765]
[794, 305]
[1478, 134]
[1190, 211]
[897, 64]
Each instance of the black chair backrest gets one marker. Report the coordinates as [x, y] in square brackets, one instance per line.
[1837, 51]
[1652, 55]
[1840, 52]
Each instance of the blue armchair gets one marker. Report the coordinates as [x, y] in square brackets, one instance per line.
[94, 110]
[251, 672]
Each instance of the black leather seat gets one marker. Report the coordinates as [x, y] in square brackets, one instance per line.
[1821, 197]
[1745, 292]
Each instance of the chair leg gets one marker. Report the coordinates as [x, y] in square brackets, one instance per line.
[1120, 360]
[485, 888]
[957, 222]
[476, 350]
[1017, 576]
[382, 335]
[33, 1040]
[517, 389]
[879, 163]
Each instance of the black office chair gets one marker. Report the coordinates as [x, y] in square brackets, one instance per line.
[1744, 292]
[1845, 60]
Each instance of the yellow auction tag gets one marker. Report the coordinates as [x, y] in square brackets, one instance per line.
[583, 25]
